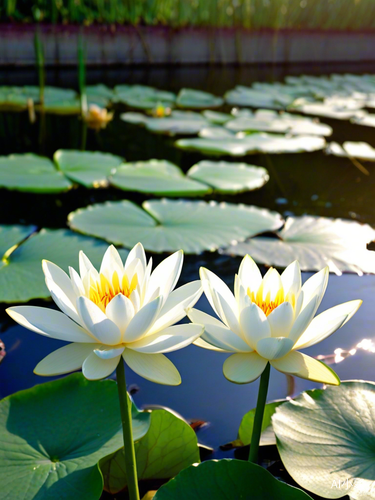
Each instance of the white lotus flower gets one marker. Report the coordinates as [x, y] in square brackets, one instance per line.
[267, 320]
[123, 310]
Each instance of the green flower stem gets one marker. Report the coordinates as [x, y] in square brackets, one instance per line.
[126, 419]
[258, 420]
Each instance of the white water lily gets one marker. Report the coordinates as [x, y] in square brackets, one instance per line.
[121, 311]
[268, 320]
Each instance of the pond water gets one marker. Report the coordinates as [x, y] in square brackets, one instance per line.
[299, 184]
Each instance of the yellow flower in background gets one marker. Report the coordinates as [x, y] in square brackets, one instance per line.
[97, 117]
[121, 311]
[267, 320]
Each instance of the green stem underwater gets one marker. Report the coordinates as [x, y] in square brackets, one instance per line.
[126, 419]
[259, 412]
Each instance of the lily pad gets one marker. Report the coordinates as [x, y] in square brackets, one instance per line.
[246, 96]
[247, 423]
[88, 168]
[227, 480]
[31, 173]
[226, 177]
[315, 242]
[339, 109]
[158, 177]
[366, 119]
[11, 236]
[53, 435]
[252, 144]
[143, 97]
[326, 440]
[169, 446]
[360, 150]
[169, 225]
[216, 117]
[177, 123]
[21, 275]
[197, 99]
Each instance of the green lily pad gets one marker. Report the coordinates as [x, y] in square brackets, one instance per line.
[143, 97]
[31, 173]
[368, 120]
[53, 435]
[216, 117]
[252, 144]
[247, 423]
[226, 177]
[326, 440]
[177, 123]
[246, 96]
[21, 275]
[13, 235]
[315, 242]
[227, 480]
[360, 150]
[197, 99]
[169, 225]
[158, 177]
[339, 109]
[169, 446]
[88, 168]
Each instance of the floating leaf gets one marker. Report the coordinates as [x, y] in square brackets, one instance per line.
[53, 435]
[169, 446]
[251, 144]
[197, 99]
[21, 275]
[143, 97]
[365, 119]
[360, 150]
[11, 236]
[31, 173]
[339, 109]
[178, 122]
[158, 177]
[216, 117]
[326, 440]
[246, 96]
[169, 225]
[228, 177]
[88, 168]
[315, 242]
[227, 480]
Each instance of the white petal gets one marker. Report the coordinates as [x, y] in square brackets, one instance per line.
[304, 319]
[166, 275]
[254, 325]
[206, 345]
[244, 368]
[281, 320]
[65, 360]
[249, 274]
[97, 322]
[213, 284]
[291, 279]
[146, 280]
[327, 323]
[135, 300]
[296, 363]
[95, 368]
[176, 304]
[155, 367]
[137, 252]
[63, 302]
[273, 348]
[315, 286]
[56, 275]
[76, 281]
[271, 284]
[85, 266]
[217, 334]
[142, 321]
[120, 310]
[111, 262]
[105, 352]
[50, 323]
[168, 340]
[243, 299]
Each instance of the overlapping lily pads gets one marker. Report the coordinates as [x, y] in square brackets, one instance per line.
[227, 177]
[246, 96]
[252, 144]
[315, 242]
[177, 123]
[326, 440]
[157, 177]
[70, 425]
[21, 275]
[169, 225]
[91, 169]
[31, 173]
[143, 97]
[197, 99]
[360, 150]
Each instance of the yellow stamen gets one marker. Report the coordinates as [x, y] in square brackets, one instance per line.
[103, 290]
[267, 305]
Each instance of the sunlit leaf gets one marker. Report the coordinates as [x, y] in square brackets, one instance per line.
[360, 150]
[197, 99]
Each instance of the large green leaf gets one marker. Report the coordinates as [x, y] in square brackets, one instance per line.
[53, 435]
[169, 225]
[197, 99]
[326, 440]
[21, 275]
[169, 446]
[11, 236]
[158, 177]
[227, 177]
[227, 480]
[88, 168]
[247, 423]
[29, 172]
[315, 242]
[251, 144]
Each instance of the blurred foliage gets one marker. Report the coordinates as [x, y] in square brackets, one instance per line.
[254, 14]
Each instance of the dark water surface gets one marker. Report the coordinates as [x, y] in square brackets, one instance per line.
[301, 183]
